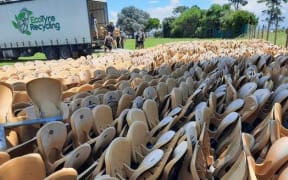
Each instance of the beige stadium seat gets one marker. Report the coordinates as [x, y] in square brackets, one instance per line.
[29, 166]
[102, 118]
[81, 123]
[63, 174]
[177, 155]
[150, 109]
[4, 156]
[50, 104]
[90, 101]
[284, 174]
[6, 93]
[125, 102]
[6, 115]
[118, 160]
[50, 139]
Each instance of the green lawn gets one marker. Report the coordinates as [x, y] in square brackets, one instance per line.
[281, 37]
[37, 56]
[151, 42]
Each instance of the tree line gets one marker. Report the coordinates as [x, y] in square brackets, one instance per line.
[226, 21]
[217, 21]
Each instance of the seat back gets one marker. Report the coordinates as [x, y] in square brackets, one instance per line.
[136, 115]
[29, 166]
[63, 174]
[103, 118]
[4, 156]
[125, 102]
[6, 98]
[138, 135]
[78, 156]
[50, 139]
[118, 154]
[81, 123]
[151, 111]
[46, 95]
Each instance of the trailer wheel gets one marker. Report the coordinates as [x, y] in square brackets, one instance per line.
[65, 52]
[15, 54]
[1, 55]
[52, 53]
[75, 54]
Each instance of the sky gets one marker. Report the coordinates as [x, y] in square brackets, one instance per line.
[163, 8]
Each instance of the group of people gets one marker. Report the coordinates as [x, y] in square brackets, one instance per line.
[139, 39]
[115, 37]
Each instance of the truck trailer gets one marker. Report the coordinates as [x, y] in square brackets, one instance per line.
[58, 28]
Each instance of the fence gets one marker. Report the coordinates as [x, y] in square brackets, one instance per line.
[279, 38]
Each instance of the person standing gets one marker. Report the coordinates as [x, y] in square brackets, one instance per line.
[122, 38]
[137, 40]
[93, 26]
[108, 41]
[117, 36]
[110, 27]
[141, 39]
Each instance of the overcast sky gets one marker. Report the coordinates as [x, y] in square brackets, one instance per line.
[163, 8]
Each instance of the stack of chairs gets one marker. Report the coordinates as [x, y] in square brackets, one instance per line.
[221, 118]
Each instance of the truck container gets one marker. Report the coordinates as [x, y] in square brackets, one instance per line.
[58, 28]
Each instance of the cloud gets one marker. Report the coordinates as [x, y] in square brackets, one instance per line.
[163, 11]
[113, 16]
[153, 1]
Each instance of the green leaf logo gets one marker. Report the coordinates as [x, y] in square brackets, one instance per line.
[22, 21]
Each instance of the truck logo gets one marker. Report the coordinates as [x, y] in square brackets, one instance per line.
[22, 21]
[25, 22]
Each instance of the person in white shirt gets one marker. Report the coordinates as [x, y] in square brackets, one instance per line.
[93, 25]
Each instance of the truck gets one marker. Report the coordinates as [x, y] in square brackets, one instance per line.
[57, 28]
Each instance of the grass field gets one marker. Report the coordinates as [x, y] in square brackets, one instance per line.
[281, 37]
[151, 42]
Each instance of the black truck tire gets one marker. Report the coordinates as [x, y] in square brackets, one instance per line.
[1, 55]
[52, 53]
[65, 52]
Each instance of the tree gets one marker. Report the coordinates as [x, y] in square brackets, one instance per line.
[186, 24]
[239, 21]
[153, 23]
[236, 3]
[167, 26]
[213, 19]
[179, 10]
[131, 19]
[274, 13]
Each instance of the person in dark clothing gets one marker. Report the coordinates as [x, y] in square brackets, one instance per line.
[110, 27]
[137, 42]
[108, 41]
[141, 39]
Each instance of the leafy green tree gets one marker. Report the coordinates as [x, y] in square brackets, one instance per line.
[237, 3]
[186, 24]
[239, 21]
[213, 19]
[167, 26]
[153, 23]
[274, 13]
[217, 21]
[179, 10]
[131, 19]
